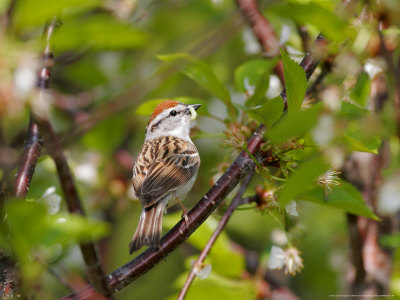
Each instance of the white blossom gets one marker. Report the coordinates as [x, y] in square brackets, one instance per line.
[389, 195]
[285, 35]
[251, 46]
[289, 259]
[274, 88]
[24, 79]
[291, 208]
[276, 258]
[372, 68]
[323, 132]
[201, 270]
[249, 88]
[52, 200]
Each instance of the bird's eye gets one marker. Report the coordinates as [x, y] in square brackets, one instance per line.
[173, 113]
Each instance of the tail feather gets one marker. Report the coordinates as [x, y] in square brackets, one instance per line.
[148, 231]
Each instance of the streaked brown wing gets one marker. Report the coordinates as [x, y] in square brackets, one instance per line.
[166, 176]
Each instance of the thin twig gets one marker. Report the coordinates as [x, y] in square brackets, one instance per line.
[55, 150]
[263, 31]
[88, 249]
[200, 260]
[33, 145]
[260, 26]
[242, 166]
[28, 160]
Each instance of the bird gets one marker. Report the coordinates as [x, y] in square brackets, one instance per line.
[165, 168]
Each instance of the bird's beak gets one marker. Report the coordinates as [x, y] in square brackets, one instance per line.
[192, 110]
[195, 106]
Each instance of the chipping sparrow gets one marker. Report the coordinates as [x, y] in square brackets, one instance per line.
[165, 168]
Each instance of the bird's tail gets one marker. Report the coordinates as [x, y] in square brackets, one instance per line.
[148, 231]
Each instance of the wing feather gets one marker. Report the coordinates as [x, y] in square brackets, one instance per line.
[167, 172]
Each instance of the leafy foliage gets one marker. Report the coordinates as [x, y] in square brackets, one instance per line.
[108, 77]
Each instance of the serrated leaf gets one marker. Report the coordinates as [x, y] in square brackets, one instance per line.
[267, 113]
[357, 145]
[98, 32]
[299, 182]
[295, 124]
[146, 108]
[203, 75]
[222, 254]
[351, 111]
[295, 82]
[345, 197]
[36, 12]
[362, 89]
[251, 71]
[325, 20]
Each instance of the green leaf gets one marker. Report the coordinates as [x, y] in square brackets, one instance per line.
[146, 108]
[37, 12]
[358, 145]
[258, 96]
[362, 89]
[222, 253]
[390, 240]
[97, 32]
[202, 74]
[345, 197]
[295, 124]
[295, 82]
[351, 111]
[31, 225]
[251, 71]
[216, 287]
[299, 182]
[325, 20]
[268, 113]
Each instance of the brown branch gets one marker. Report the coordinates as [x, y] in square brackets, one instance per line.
[88, 249]
[242, 166]
[356, 245]
[33, 146]
[28, 160]
[396, 76]
[200, 260]
[263, 31]
[53, 146]
[260, 26]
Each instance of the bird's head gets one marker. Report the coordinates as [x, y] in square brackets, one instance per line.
[171, 118]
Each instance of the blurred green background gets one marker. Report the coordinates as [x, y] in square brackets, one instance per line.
[108, 76]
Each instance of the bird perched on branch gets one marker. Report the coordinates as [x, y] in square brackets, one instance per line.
[165, 169]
